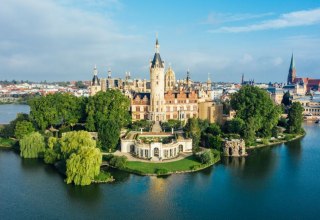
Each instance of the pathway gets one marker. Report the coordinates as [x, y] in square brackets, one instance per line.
[156, 127]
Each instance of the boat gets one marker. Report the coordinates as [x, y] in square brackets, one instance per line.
[317, 121]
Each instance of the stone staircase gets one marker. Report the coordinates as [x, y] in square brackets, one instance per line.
[156, 127]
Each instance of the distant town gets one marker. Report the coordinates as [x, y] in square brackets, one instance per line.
[303, 90]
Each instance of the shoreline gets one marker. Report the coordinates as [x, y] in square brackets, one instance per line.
[275, 143]
[191, 170]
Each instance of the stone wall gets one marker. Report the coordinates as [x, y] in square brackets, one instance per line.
[234, 148]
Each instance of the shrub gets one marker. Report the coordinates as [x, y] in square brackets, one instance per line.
[107, 157]
[162, 171]
[119, 162]
[206, 157]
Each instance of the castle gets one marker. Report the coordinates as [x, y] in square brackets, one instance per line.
[163, 97]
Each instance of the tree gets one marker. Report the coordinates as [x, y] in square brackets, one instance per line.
[32, 145]
[193, 131]
[83, 166]
[214, 129]
[52, 152]
[255, 107]
[206, 157]
[9, 129]
[56, 109]
[23, 128]
[110, 105]
[235, 126]
[119, 161]
[171, 123]
[286, 99]
[295, 118]
[72, 142]
[109, 134]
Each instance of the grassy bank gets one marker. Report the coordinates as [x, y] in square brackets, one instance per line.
[288, 138]
[7, 142]
[188, 164]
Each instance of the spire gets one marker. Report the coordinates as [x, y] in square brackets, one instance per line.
[292, 63]
[95, 79]
[157, 44]
[157, 62]
[109, 73]
[188, 75]
[95, 71]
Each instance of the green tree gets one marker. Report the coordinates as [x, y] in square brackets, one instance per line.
[119, 161]
[9, 129]
[255, 107]
[286, 99]
[32, 145]
[23, 128]
[193, 131]
[206, 157]
[110, 105]
[72, 142]
[235, 126]
[171, 123]
[57, 109]
[214, 129]
[83, 166]
[52, 152]
[109, 134]
[295, 118]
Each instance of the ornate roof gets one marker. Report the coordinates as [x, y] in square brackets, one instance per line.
[157, 62]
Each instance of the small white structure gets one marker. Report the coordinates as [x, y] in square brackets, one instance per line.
[152, 146]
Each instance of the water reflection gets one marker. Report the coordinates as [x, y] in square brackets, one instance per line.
[294, 151]
[89, 194]
[253, 171]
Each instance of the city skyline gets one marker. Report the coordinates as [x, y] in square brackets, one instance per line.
[63, 40]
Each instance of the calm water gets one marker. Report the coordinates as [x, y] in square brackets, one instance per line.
[278, 182]
[9, 112]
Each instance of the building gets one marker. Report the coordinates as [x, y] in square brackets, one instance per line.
[95, 85]
[292, 72]
[163, 97]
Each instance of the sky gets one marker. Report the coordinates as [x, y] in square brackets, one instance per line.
[62, 40]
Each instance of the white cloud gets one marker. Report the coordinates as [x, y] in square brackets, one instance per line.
[46, 40]
[219, 18]
[293, 19]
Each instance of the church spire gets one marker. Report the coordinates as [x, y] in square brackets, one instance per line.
[292, 63]
[292, 71]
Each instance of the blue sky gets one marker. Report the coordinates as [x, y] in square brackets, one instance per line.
[63, 40]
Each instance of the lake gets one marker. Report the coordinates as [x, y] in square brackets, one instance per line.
[279, 182]
[8, 112]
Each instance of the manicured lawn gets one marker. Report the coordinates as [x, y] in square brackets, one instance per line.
[149, 168]
[6, 142]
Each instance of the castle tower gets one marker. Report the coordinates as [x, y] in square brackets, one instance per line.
[95, 84]
[157, 111]
[209, 83]
[169, 80]
[292, 71]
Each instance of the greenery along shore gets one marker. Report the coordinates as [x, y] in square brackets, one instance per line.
[57, 130]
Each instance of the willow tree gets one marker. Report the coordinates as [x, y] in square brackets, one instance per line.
[32, 145]
[72, 141]
[83, 166]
